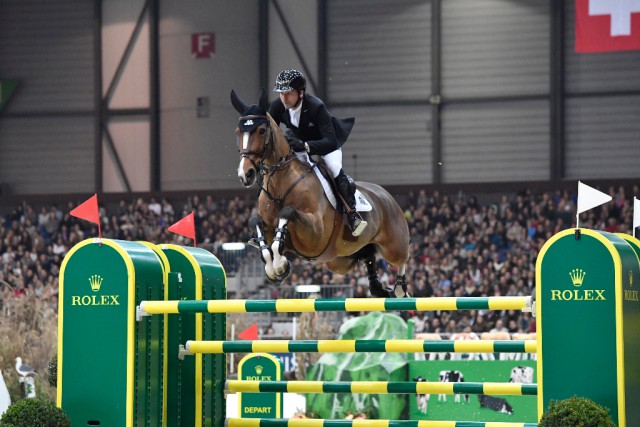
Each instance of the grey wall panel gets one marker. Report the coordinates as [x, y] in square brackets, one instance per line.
[390, 149]
[495, 47]
[46, 155]
[378, 50]
[597, 72]
[200, 152]
[494, 142]
[603, 137]
[301, 18]
[48, 46]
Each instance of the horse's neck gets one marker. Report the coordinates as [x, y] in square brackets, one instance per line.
[280, 152]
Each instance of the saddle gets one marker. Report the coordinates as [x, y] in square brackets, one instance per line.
[326, 173]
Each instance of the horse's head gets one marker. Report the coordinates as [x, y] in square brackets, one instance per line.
[256, 134]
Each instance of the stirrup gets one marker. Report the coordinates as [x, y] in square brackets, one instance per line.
[358, 225]
[254, 242]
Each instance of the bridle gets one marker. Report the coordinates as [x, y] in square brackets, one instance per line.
[268, 171]
[267, 144]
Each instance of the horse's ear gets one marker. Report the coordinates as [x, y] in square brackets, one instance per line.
[263, 101]
[237, 103]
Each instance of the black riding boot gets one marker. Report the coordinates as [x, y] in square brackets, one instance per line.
[347, 189]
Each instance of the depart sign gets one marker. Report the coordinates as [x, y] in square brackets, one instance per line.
[260, 367]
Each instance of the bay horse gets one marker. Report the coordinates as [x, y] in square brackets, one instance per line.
[295, 215]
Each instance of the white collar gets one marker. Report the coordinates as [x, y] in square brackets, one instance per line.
[294, 113]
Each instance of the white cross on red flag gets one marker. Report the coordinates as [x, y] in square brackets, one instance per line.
[607, 25]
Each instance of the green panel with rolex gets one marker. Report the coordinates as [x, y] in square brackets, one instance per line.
[107, 366]
[585, 283]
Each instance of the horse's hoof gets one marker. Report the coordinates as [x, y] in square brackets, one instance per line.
[400, 291]
[274, 281]
[377, 290]
[287, 272]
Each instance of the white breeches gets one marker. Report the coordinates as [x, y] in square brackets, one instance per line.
[334, 162]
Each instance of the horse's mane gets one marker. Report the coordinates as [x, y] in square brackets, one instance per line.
[278, 136]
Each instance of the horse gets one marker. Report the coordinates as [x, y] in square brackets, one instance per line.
[295, 216]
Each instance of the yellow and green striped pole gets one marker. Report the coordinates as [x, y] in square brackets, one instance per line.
[382, 387]
[307, 422]
[336, 304]
[361, 346]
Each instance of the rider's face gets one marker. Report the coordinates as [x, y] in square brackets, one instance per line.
[290, 99]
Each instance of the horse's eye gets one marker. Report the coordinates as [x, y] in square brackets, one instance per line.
[262, 131]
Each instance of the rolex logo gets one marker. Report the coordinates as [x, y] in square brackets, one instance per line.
[95, 281]
[577, 276]
[259, 369]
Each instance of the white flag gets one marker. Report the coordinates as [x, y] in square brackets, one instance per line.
[588, 198]
[636, 215]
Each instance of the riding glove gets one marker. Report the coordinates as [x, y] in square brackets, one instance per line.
[296, 144]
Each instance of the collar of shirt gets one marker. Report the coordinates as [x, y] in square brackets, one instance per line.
[294, 113]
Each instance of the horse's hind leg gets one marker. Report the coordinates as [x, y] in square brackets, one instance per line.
[400, 287]
[256, 224]
[396, 251]
[281, 264]
[368, 255]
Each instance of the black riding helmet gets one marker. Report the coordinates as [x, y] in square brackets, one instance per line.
[289, 80]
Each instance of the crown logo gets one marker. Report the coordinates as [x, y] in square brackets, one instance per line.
[259, 369]
[577, 276]
[630, 278]
[95, 281]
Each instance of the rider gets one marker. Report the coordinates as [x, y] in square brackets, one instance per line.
[313, 129]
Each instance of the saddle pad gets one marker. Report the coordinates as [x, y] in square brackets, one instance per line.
[362, 204]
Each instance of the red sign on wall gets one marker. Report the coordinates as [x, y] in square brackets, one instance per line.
[203, 45]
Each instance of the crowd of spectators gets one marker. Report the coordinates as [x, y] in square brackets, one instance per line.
[459, 246]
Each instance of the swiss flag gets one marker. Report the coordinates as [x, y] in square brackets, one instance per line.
[607, 25]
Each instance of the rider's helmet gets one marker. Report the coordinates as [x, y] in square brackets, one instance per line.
[289, 80]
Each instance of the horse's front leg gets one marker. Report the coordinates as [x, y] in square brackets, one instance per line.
[256, 224]
[304, 221]
[281, 264]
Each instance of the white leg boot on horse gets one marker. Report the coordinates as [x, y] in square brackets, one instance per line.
[266, 254]
[347, 189]
[281, 264]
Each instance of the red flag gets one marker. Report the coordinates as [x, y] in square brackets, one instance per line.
[89, 212]
[250, 334]
[605, 25]
[185, 227]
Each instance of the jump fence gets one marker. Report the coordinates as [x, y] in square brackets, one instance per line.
[147, 323]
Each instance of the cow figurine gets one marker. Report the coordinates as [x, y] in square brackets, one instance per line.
[422, 399]
[498, 404]
[452, 377]
[522, 374]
